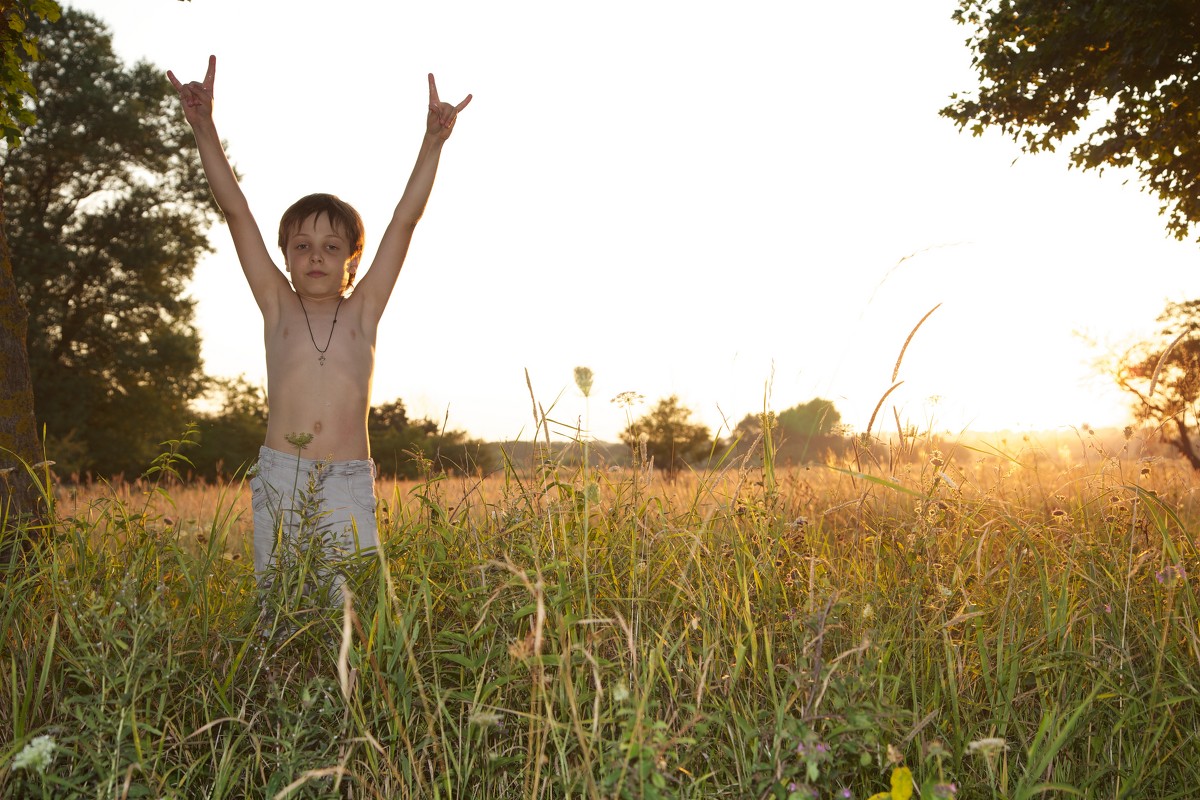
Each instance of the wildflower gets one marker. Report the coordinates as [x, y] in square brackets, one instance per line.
[845, 794]
[989, 747]
[44, 464]
[935, 749]
[620, 693]
[868, 611]
[1170, 575]
[814, 752]
[36, 755]
[583, 380]
[299, 440]
[628, 399]
[1128, 431]
[902, 783]
[894, 756]
[944, 791]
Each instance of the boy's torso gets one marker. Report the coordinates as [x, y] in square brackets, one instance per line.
[325, 394]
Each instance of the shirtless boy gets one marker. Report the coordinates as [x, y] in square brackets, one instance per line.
[320, 340]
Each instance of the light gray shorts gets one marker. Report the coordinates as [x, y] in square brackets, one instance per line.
[337, 497]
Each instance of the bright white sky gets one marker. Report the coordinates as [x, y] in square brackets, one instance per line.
[688, 197]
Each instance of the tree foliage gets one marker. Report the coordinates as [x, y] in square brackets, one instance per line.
[817, 417]
[1163, 375]
[667, 435]
[231, 430]
[805, 432]
[404, 448]
[107, 210]
[18, 49]
[1046, 66]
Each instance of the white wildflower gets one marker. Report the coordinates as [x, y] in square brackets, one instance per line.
[36, 755]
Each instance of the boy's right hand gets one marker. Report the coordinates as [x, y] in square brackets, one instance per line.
[197, 97]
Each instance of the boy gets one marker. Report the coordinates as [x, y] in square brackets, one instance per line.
[320, 341]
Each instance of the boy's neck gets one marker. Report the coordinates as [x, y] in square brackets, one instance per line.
[319, 299]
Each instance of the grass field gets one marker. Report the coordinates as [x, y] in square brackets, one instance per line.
[978, 622]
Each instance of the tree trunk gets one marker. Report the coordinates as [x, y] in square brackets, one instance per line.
[20, 505]
[1184, 443]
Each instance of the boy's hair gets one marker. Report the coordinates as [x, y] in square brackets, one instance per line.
[342, 216]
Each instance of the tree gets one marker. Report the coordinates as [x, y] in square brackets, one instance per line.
[107, 211]
[817, 417]
[804, 432]
[668, 436]
[1045, 66]
[1164, 375]
[229, 437]
[18, 428]
[404, 448]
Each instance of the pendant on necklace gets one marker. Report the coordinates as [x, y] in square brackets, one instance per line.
[322, 360]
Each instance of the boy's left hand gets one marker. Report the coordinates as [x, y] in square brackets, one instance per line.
[442, 116]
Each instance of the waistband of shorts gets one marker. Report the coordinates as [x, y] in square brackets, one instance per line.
[275, 459]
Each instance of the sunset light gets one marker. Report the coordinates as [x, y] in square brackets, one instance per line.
[687, 201]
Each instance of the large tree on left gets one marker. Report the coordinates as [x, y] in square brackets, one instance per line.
[18, 432]
[107, 212]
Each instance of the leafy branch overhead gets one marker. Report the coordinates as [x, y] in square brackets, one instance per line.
[18, 46]
[1123, 75]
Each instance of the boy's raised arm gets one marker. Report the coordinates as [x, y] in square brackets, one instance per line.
[263, 276]
[376, 286]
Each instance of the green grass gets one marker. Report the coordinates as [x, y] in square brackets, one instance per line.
[732, 634]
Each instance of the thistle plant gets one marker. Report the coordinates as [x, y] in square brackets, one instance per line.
[583, 381]
[304, 579]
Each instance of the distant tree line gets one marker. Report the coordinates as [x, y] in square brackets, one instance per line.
[229, 436]
[666, 437]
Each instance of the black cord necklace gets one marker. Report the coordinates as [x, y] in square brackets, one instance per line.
[321, 358]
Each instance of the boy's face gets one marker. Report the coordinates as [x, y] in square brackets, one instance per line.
[320, 259]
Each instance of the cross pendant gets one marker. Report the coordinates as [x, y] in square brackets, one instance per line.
[322, 360]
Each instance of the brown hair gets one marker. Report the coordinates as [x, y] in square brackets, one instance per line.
[342, 216]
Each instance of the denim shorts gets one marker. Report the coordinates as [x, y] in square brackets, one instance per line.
[336, 497]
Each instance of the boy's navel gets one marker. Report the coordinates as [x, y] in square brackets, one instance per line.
[317, 426]
[285, 333]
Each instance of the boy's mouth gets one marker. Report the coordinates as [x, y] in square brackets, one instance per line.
[316, 273]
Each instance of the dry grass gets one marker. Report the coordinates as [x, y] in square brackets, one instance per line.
[988, 621]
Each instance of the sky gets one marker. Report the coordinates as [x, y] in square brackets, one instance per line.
[741, 204]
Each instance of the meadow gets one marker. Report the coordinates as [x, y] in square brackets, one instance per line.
[922, 619]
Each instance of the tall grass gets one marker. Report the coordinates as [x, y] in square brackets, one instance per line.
[996, 624]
